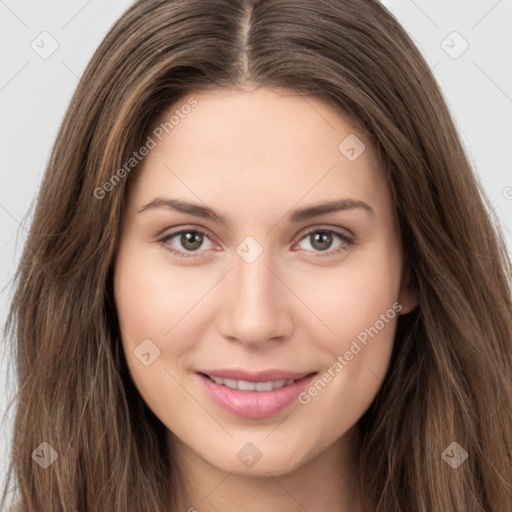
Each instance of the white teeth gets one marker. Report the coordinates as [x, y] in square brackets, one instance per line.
[266, 386]
[243, 385]
[230, 383]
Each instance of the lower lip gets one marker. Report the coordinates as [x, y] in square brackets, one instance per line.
[254, 404]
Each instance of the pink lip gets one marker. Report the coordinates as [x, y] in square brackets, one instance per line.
[254, 404]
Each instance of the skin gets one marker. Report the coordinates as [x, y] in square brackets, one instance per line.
[255, 156]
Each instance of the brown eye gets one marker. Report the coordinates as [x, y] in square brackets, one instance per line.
[186, 241]
[191, 240]
[322, 240]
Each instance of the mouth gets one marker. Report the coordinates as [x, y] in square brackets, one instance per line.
[254, 396]
[245, 385]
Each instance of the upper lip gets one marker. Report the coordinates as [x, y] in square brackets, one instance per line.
[261, 376]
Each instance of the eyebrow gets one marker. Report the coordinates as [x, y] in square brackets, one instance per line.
[296, 216]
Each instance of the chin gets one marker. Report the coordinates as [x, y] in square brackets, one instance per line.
[249, 460]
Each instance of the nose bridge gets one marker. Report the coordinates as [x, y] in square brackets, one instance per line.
[253, 309]
[252, 280]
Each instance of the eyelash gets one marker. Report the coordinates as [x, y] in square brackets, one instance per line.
[347, 241]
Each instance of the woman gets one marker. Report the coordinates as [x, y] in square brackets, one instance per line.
[261, 274]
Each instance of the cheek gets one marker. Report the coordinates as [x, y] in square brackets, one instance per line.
[350, 299]
[147, 309]
[150, 298]
[359, 304]
[160, 303]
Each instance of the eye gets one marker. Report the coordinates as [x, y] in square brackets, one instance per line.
[191, 240]
[320, 240]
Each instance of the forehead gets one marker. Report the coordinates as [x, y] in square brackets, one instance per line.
[277, 145]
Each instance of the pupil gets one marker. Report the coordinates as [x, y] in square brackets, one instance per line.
[187, 240]
[323, 244]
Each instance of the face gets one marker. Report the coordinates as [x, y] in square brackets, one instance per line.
[259, 248]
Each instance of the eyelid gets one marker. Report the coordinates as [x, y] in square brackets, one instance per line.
[319, 227]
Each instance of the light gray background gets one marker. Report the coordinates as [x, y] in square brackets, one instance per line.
[35, 92]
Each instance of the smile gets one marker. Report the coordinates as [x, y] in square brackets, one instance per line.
[244, 385]
[255, 396]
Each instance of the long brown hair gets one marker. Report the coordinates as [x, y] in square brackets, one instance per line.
[450, 376]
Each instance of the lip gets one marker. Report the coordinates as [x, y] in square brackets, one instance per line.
[254, 404]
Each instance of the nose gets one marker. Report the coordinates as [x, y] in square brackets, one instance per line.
[255, 304]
